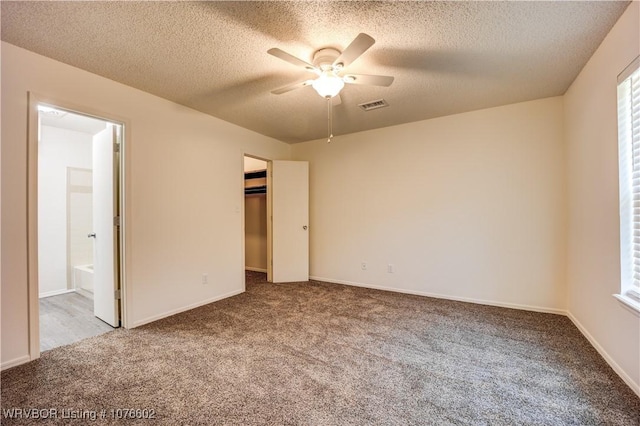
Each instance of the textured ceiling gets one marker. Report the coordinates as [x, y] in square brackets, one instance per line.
[447, 57]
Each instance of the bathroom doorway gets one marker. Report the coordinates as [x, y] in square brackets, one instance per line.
[78, 229]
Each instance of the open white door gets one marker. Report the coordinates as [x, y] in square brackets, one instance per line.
[290, 210]
[105, 278]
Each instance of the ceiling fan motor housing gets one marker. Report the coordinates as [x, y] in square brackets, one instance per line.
[324, 58]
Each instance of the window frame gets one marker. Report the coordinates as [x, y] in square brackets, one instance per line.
[628, 101]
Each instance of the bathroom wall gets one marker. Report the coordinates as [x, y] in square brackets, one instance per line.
[59, 150]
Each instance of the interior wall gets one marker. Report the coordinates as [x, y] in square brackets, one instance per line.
[183, 193]
[590, 116]
[58, 150]
[468, 207]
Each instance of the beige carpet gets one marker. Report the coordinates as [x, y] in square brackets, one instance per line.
[324, 354]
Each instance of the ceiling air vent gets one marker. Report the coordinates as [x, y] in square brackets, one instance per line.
[368, 106]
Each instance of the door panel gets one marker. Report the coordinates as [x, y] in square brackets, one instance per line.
[290, 210]
[105, 304]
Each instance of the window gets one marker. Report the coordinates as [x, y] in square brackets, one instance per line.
[629, 166]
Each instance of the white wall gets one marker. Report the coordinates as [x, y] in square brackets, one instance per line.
[58, 149]
[593, 246]
[469, 206]
[184, 193]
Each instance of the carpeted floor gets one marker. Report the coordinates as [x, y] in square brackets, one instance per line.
[325, 354]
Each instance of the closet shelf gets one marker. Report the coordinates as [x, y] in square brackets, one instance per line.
[255, 182]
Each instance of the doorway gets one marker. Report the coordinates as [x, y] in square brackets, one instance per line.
[276, 209]
[256, 208]
[77, 189]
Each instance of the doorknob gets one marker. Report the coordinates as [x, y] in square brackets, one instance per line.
[304, 227]
[91, 235]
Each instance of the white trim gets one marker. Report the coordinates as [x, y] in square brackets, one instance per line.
[15, 362]
[55, 293]
[447, 297]
[184, 308]
[251, 268]
[623, 375]
[629, 69]
[631, 305]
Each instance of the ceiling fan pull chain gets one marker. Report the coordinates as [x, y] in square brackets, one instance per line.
[329, 119]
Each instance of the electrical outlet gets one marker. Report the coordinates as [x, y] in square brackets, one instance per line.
[390, 268]
[363, 265]
[205, 279]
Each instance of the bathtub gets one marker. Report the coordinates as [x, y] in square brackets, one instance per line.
[83, 278]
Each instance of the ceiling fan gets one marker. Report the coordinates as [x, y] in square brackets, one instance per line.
[329, 65]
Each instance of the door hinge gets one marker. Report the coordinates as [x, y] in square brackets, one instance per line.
[117, 294]
[116, 221]
[116, 147]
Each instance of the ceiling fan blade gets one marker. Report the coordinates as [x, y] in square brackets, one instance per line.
[292, 86]
[357, 47]
[370, 80]
[336, 100]
[278, 53]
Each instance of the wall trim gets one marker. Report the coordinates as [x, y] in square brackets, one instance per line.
[184, 308]
[251, 268]
[614, 365]
[55, 292]
[447, 297]
[15, 362]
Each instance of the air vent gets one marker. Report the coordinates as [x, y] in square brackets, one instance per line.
[368, 106]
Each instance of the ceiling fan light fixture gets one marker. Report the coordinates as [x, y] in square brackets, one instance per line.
[328, 84]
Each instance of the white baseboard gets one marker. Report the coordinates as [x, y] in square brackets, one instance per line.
[251, 268]
[55, 293]
[184, 308]
[14, 362]
[447, 297]
[619, 371]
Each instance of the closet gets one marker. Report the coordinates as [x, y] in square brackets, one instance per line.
[255, 215]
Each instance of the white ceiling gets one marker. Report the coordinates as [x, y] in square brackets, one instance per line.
[447, 57]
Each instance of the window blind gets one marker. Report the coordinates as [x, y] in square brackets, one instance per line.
[629, 140]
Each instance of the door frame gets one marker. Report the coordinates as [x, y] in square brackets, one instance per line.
[123, 234]
[269, 223]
